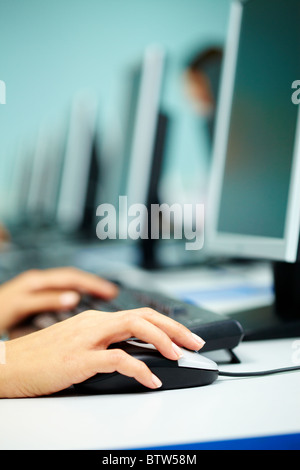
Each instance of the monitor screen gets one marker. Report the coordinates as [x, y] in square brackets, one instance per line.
[259, 146]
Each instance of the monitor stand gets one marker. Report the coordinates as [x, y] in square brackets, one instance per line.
[282, 319]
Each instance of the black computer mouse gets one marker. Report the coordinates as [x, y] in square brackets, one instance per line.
[191, 370]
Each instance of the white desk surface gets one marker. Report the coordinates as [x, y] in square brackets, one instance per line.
[228, 409]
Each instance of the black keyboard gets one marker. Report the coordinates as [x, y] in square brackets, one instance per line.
[218, 331]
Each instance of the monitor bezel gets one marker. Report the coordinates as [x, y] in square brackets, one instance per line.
[145, 125]
[141, 153]
[231, 244]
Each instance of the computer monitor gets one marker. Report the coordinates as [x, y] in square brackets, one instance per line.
[20, 187]
[53, 170]
[144, 144]
[43, 164]
[77, 199]
[255, 192]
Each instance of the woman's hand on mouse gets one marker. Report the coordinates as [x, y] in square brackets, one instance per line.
[49, 290]
[74, 350]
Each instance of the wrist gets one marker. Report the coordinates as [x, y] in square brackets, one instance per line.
[8, 373]
[3, 370]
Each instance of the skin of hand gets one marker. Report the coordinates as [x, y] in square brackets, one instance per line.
[50, 290]
[73, 350]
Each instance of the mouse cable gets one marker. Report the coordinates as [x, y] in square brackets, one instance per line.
[257, 374]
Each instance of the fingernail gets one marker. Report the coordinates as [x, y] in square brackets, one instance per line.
[69, 298]
[110, 292]
[156, 382]
[111, 288]
[177, 350]
[198, 340]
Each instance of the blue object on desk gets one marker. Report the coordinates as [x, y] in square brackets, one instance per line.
[223, 293]
[283, 442]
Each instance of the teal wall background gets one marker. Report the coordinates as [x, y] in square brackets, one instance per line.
[50, 49]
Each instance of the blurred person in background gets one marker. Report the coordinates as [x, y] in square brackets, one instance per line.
[4, 235]
[202, 74]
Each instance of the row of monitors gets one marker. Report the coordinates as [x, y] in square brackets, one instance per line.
[59, 184]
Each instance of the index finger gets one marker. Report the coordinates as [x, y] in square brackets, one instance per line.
[177, 332]
[74, 279]
[145, 324]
